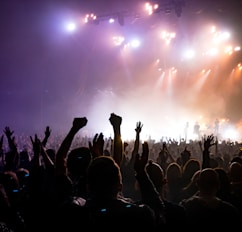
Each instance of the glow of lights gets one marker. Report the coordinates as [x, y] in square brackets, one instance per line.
[118, 40]
[148, 8]
[213, 29]
[70, 27]
[200, 82]
[213, 52]
[225, 35]
[189, 54]
[156, 6]
[90, 17]
[237, 48]
[173, 70]
[167, 36]
[230, 133]
[220, 36]
[135, 43]
[111, 20]
[229, 50]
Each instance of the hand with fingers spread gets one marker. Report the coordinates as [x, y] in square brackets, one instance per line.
[139, 126]
[135, 150]
[209, 141]
[8, 132]
[11, 139]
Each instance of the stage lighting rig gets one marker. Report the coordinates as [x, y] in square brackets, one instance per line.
[119, 16]
[164, 6]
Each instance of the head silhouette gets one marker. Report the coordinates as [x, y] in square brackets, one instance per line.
[104, 177]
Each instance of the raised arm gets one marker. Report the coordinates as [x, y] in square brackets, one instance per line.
[12, 157]
[117, 148]
[62, 152]
[11, 139]
[36, 161]
[149, 194]
[135, 150]
[47, 135]
[96, 147]
[208, 142]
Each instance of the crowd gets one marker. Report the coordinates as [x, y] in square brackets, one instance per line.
[73, 183]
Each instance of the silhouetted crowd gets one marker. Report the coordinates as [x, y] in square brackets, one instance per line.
[74, 183]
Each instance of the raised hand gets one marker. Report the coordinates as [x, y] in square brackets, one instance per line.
[39, 149]
[117, 146]
[8, 132]
[47, 135]
[11, 139]
[139, 126]
[141, 160]
[62, 152]
[36, 144]
[47, 131]
[115, 120]
[135, 150]
[79, 123]
[96, 147]
[209, 142]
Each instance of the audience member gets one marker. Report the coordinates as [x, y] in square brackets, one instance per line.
[205, 210]
[127, 168]
[191, 188]
[235, 178]
[188, 170]
[174, 182]
[10, 219]
[107, 208]
[173, 213]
